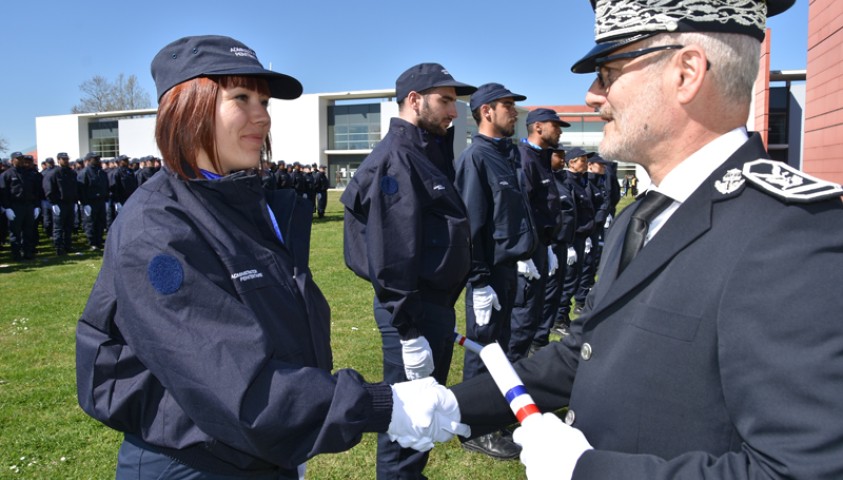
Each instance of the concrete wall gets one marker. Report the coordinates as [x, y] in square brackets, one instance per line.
[824, 101]
[137, 137]
[60, 133]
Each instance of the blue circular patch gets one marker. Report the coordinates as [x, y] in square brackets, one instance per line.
[389, 185]
[165, 274]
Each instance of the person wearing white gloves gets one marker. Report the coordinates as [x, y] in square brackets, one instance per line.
[20, 193]
[61, 191]
[544, 128]
[666, 376]
[491, 182]
[406, 231]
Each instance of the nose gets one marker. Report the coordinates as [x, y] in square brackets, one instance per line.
[595, 97]
[260, 115]
[452, 111]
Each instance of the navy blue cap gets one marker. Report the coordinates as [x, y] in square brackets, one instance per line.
[545, 115]
[596, 158]
[15, 155]
[213, 55]
[575, 152]
[50, 160]
[489, 92]
[91, 155]
[621, 22]
[63, 155]
[425, 76]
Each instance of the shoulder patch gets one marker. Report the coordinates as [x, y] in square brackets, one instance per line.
[389, 185]
[165, 273]
[785, 182]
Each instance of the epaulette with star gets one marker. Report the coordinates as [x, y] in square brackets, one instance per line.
[787, 183]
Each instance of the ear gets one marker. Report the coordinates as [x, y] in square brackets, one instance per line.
[692, 67]
[414, 99]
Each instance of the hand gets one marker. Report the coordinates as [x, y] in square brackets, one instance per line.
[552, 261]
[86, 209]
[303, 195]
[572, 256]
[549, 448]
[35, 212]
[318, 196]
[10, 214]
[418, 358]
[528, 269]
[588, 245]
[56, 210]
[424, 412]
[484, 299]
[609, 220]
[118, 206]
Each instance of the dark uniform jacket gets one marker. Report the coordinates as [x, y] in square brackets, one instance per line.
[19, 186]
[60, 186]
[490, 181]
[93, 185]
[406, 229]
[717, 353]
[541, 191]
[568, 209]
[577, 184]
[123, 184]
[205, 336]
[599, 190]
[283, 179]
[144, 174]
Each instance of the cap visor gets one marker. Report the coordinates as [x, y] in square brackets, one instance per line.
[281, 86]
[587, 64]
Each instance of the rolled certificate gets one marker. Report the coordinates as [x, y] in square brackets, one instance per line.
[508, 382]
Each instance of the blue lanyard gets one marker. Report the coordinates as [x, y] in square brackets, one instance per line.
[216, 176]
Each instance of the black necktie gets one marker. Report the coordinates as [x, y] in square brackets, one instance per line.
[651, 206]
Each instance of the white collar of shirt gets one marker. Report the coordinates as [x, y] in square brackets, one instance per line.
[686, 177]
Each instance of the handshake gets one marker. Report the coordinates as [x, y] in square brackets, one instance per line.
[424, 412]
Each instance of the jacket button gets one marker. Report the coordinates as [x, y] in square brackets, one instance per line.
[585, 351]
[570, 417]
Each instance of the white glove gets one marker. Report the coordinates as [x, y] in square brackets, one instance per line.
[549, 448]
[424, 412]
[572, 256]
[609, 220]
[56, 209]
[418, 358]
[303, 195]
[588, 245]
[318, 196]
[36, 212]
[86, 209]
[10, 214]
[528, 269]
[552, 261]
[484, 299]
[118, 206]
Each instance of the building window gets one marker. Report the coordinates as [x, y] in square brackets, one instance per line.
[779, 97]
[103, 138]
[342, 167]
[354, 127]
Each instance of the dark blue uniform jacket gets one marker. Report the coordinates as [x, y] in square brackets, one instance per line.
[406, 229]
[19, 186]
[568, 209]
[577, 184]
[61, 187]
[490, 181]
[206, 337]
[93, 185]
[541, 191]
[716, 353]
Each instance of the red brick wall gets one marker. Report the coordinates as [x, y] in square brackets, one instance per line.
[762, 91]
[823, 156]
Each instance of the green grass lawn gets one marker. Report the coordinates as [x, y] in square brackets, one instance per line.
[45, 435]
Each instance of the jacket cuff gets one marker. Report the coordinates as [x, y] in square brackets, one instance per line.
[381, 395]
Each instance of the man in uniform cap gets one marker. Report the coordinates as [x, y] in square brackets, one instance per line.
[20, 192]
[491, 182]
[699, 355]
[93, 193]
[61, 191]
[544, 127]
[407, 233]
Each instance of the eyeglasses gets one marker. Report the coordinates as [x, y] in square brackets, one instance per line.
[605, 80]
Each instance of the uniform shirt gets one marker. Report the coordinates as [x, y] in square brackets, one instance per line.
[490, 181]
[406, 229]
[541, 190]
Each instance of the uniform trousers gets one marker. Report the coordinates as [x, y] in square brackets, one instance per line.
[23, 231]
[322, 203]
[134, 462]
[94, 224]
[552, 296]
[63, 226]
[527, 308]
[573, 274]
[504, 282]
[438, 328]
[590, 266]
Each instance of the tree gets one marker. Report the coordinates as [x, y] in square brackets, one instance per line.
[4, 145]
[100, 95]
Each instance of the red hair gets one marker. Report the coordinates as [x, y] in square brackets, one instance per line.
[186, 121]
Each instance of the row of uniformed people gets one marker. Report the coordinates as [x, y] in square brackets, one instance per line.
[309, 181]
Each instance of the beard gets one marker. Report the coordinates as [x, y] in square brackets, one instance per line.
[427, 121]
[634, 128]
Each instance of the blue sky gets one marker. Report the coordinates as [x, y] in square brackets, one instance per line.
[328, 45]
